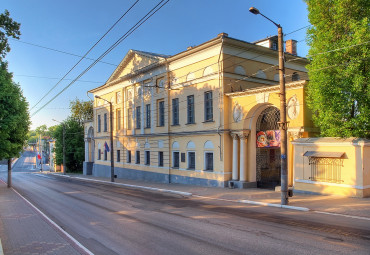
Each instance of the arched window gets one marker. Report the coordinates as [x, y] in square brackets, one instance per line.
[240, 70]
[208, 70]
[208, 145]
[261, 74]
[175, 145]
[295, 77]
[190, 145]
[190, 77]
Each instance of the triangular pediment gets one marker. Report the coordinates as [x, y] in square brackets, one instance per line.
[133, 62]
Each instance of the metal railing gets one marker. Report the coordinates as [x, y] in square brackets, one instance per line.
[326, 169]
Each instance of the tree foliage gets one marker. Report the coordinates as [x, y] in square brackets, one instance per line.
[338, 92]
[74, 143]
[14, 116]
[81, 110]
[8, 28]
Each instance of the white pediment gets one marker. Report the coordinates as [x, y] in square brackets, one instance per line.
[133, 62]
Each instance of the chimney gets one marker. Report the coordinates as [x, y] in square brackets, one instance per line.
[291, 47]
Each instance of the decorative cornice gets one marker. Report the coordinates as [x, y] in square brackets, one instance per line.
[275, 88]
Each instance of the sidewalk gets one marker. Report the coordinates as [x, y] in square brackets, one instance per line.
[24, 230]
[356, 207]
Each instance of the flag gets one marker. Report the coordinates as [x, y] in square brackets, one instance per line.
[106, 147]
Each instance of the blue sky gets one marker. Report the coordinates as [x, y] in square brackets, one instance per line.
[74, 26]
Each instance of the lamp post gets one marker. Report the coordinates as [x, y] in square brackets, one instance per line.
[64, 145]
[111, 138]
[283, 122]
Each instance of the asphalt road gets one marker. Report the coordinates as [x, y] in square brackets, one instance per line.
[117, 220]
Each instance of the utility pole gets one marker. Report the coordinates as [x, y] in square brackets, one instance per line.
[64, 149]
[111, 138]
[283, 124]
[40, 148]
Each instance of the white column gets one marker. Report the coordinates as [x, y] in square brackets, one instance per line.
[235, 173]
[243, 156]
[86, 149]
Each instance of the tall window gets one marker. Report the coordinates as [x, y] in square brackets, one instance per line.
[175, 111]
[105, 155]
[137, 161]
[118, 119]
[161, 113]
[148, 118]
[138, 117]
[176, 159]
[128, 156]
[129, 118]
[105, 122]
[191, 117]
[160, 158]
[118, 156]
[99, 123]
[191, 160]
[209, 161]
[147, 158]
[99, 154]
[208, 106]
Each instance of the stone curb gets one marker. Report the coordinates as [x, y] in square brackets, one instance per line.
[187, 194]
[297, 208]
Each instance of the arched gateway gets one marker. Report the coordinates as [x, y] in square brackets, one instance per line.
[268, 148]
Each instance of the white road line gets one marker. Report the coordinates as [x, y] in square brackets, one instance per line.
[343, 215]
[55, 225]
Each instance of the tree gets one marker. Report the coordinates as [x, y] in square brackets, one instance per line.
[41, 130]
[14, 118]
[74, 143]
[81, 110]
[8, 28]
[338, 91]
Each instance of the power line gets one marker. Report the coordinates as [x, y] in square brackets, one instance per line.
[60, 51]
[101, 38]
[51, 78]
[122, 38]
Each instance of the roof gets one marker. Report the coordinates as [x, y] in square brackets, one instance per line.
[323, 154]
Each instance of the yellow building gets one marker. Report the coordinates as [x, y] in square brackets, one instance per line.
[205, 116]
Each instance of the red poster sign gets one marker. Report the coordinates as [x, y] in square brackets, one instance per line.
[269, 138]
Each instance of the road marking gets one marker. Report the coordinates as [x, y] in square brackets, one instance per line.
[343, 215]
[56, 226]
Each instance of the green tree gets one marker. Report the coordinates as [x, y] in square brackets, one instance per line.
[81, 110]
[338, 91]
[8, 28]
[74, 143]
[14, 118]
[41, 130]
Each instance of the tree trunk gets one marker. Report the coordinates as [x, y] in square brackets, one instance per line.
[9, 173]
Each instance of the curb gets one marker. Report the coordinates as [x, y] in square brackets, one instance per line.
[187, 194]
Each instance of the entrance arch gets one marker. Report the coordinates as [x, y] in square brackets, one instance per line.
[268, 163]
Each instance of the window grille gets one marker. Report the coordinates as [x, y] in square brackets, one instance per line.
[191, 117]
[161, 113]
[326, 169]
[148, 116]
[138, 117]
[105, 122]
[175, 111]
[160, 158]
[208, 106]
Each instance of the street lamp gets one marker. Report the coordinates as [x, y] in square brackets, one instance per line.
[283, 123]
[111, 138]
[64, 145]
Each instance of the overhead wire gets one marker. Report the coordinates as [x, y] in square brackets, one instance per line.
[82, 58]
[122, 38]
